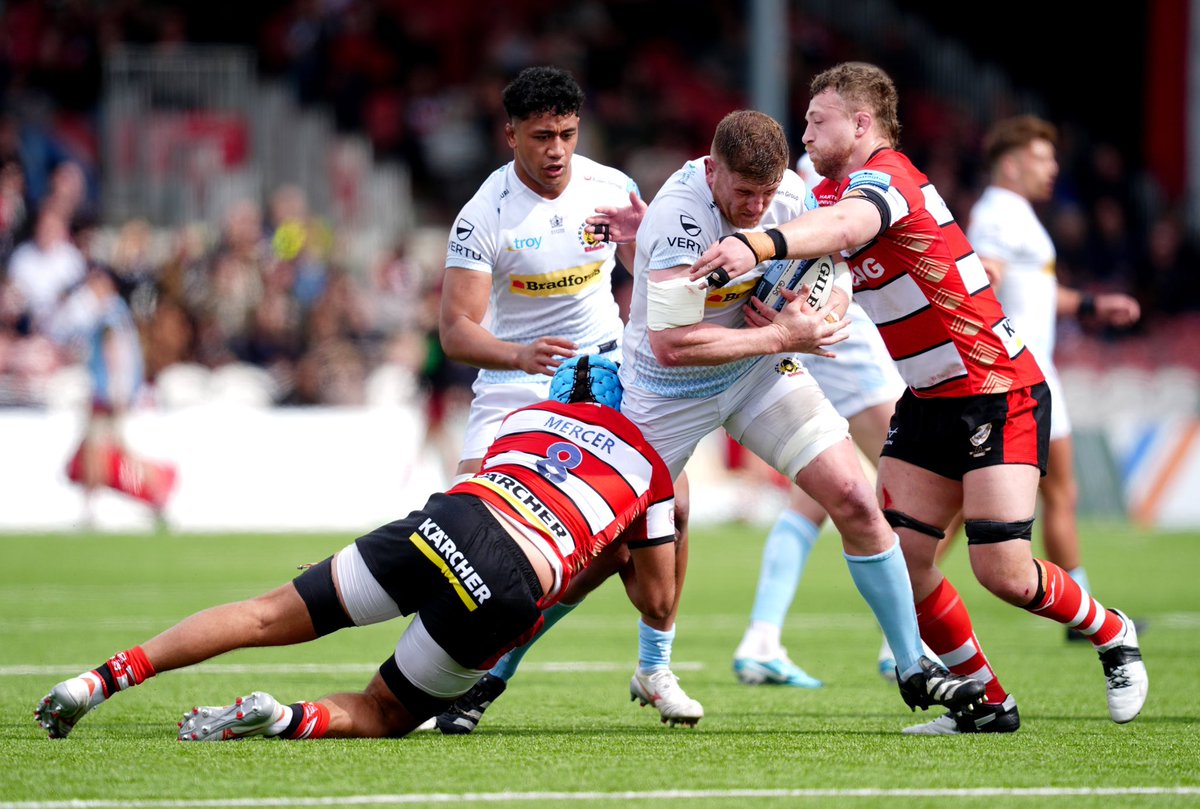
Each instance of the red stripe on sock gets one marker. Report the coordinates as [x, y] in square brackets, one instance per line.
[1063, 600]
[128, 668]
[946, 626]
[314, 723]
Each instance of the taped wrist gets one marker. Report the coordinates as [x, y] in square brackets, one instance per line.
[1087, 305]
[764, 244]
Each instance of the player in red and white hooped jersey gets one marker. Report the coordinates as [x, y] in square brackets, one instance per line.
[971, 433]
[475, 571]
[573, 482]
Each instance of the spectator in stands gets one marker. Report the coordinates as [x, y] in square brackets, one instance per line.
[43, 269]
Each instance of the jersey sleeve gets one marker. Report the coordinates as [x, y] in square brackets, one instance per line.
[671, 235]
[882, 190]
[474, 236]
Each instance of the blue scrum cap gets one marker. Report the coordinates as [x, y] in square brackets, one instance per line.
[587, 379]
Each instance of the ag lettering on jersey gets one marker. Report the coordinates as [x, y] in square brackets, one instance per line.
[869, 270]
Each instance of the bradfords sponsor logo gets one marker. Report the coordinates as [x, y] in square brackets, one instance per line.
[562, 282]
[725, 296]
[589, 240]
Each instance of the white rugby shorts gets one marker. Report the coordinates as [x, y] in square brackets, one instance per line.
[776, 410]
[489, 407]
[1060, 421]
[863, 374]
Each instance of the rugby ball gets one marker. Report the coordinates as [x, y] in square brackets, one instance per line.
[783, 274]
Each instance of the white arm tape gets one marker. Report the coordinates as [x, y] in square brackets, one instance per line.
[842, 279]
[675, 302]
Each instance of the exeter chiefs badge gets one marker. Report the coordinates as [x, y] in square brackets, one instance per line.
[788, 367]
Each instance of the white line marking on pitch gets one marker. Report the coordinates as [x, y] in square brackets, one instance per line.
[510, 797]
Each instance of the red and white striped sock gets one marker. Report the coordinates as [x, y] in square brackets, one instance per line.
[946, 626]
[1061, 599]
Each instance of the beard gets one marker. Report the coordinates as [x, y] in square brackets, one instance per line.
[831, 163]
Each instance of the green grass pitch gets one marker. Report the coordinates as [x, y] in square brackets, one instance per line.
[566, 732]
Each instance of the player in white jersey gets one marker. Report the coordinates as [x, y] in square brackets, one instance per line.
[527, 283]
[863, 384]
[689, 370]
[696, 359]
[1019, 257]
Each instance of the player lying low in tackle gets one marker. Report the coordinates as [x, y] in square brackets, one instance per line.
[477, 564]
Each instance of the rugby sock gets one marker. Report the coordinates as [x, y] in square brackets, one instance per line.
[784, 555]
[121, 671]
[309, 720]
[654, 647]
[883, 581]
[946, 627]
[507, 665]
[1060, 599]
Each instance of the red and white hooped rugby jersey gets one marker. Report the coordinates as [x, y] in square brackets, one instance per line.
[922, 284]
[579, 476]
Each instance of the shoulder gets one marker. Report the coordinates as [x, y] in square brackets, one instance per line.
[586, 170]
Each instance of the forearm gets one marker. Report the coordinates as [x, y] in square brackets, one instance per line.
[705, 344]
[468, 342]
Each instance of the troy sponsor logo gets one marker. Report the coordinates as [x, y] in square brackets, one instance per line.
[464, 251]
[527, 243]
[561, 282]
[455, 560]
[528, 503]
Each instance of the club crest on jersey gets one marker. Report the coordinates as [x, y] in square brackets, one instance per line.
[556, 224]
[589, 240]
[463, 229]
[788, 366]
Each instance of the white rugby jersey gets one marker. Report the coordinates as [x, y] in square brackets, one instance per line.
[680, 224]
[549, 277]
[1004, 226]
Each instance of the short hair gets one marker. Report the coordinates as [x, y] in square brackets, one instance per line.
[1010, 134]
[541, 90]
[752, 145]
[863, 85]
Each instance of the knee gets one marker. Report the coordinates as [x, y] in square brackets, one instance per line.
[854, 508]
[657, 605]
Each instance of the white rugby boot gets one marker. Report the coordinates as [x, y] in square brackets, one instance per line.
[661, 689]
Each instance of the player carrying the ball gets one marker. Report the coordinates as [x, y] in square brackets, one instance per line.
[691, 365]
[973, 428]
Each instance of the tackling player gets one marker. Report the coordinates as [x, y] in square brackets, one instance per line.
[564, 481]
[690, 367]
[1019, 256]
[971, 432]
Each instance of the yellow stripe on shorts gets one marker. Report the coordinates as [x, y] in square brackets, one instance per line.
[436, 558]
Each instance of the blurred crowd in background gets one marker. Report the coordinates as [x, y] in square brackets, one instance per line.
[266, 284]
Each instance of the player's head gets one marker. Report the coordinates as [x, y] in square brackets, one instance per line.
[852, 112]
[543, 105]
[1020, 154]
[745, 167]
[589, 379]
